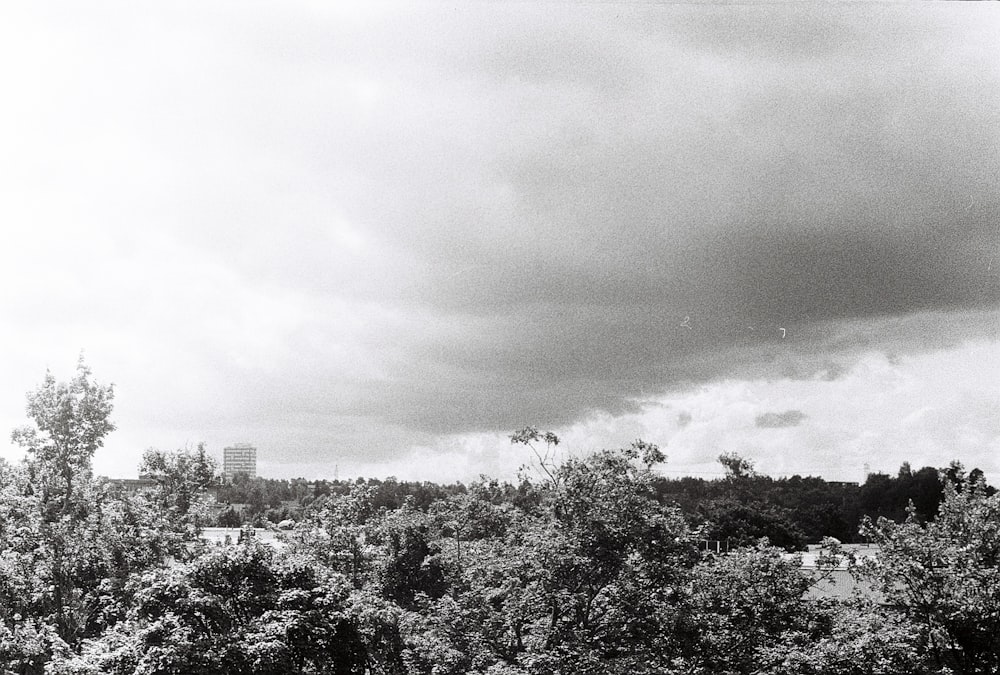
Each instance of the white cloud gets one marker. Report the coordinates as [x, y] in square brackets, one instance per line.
[879, 413]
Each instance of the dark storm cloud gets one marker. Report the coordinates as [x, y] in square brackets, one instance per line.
[656, 162]
[396, 221]
[775, 420]
[858, 270]
[823, 185]
[569, 194]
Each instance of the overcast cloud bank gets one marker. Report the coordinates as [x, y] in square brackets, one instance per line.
[382, 238]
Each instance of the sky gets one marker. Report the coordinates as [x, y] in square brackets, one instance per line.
[378, 238]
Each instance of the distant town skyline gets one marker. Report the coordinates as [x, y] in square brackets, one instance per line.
[382, 237]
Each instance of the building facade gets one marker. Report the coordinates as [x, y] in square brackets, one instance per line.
[239, 458]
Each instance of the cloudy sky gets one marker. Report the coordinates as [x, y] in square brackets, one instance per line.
[378, 238]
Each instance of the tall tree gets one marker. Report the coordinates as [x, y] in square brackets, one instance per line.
[71, 420]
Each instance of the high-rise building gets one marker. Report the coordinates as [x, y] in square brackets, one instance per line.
[239, 458]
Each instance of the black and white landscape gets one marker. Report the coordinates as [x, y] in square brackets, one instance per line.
[616, 307]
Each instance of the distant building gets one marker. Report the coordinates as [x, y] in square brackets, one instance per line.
[239, 458]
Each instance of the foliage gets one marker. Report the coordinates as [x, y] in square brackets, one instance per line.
[797, 510]
[855, 638]
[889, 497]
[544, 460]
[182, 479]
[736, 467]
[743, 607]
[57, 505]
[945, 576]
[70, 423]
[743, 524]
[240, 609]
[571, 586]
[28, 646]
[590, 566]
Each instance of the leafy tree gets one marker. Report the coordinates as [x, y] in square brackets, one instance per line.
[816, 507]
[944, 575]
[848, 638]
[577, 584]
[68, 543]
[339, 533]
[886, 496]
[183, 478]
[544, 460]
[235, 610]
[743, 524]
[29, 646]
[71, 421]
[739, 607]
[736, 467]
[409, 564]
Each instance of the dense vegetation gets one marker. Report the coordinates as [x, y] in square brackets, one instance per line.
[734, 511]
[586, 566]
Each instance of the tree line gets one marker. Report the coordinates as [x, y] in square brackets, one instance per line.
[584, 566]
[736, 510]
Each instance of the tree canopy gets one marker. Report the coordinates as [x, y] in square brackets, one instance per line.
[590, 564]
